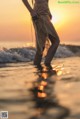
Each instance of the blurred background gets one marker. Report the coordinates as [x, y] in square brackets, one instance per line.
[16, 25]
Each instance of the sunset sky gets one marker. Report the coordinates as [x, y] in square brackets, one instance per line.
[16, 25]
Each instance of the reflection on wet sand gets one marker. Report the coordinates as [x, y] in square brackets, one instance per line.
[46, 102]
[29, 93]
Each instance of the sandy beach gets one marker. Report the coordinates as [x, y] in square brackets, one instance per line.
[27, 93]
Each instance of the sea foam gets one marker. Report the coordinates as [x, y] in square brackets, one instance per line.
[27, 54]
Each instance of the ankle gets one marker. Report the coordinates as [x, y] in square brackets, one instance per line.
[46, 63]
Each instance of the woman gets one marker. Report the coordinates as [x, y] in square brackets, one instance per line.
[44, 30]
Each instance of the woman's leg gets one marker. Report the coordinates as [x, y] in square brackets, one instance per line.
[52, 50]
[38, 57]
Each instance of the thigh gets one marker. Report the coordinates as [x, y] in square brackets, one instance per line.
[53, 36]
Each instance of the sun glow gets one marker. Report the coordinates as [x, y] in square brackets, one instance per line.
[15, 21]
[55, 18]
[58, 19]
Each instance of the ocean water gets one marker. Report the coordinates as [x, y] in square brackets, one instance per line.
[15, 44]
[11, 52]
[27, 92]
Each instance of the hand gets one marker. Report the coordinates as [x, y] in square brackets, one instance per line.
[50, 15]
[33, 13]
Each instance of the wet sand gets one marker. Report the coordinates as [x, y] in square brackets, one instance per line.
[29, 93]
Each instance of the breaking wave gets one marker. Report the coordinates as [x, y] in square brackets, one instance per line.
[27, 54]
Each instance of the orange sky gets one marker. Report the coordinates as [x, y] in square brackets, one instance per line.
[15, 21]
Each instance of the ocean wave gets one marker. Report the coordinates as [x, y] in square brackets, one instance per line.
[17, 55]
[27, 54]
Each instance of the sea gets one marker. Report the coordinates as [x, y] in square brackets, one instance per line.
[27, 92]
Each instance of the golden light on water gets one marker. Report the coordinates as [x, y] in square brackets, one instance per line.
[59, 73]
[41, 88]
[29, 44]
[42, 95]
[44, 75]
[43, 83]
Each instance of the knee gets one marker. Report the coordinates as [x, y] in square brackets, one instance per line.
[54, 40]
[57, 41]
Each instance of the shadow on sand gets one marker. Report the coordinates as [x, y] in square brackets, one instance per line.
[46, 103]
